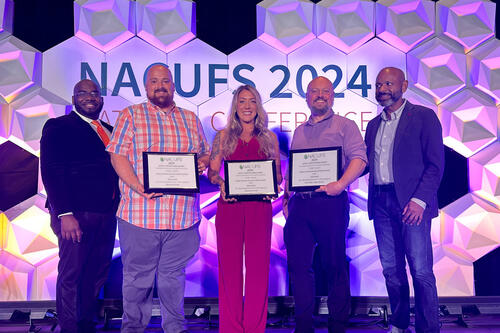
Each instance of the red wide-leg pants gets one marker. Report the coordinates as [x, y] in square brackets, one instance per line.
[243, 226]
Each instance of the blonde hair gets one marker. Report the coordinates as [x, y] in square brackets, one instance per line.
[234, 129]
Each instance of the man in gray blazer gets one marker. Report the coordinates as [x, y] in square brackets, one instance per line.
[406, 161]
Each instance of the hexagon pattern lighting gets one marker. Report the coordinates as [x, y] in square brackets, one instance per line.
[405, 23]
[446, 48]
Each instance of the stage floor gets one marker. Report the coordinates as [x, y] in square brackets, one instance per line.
[359, 324]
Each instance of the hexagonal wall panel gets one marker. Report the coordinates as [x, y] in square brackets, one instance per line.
[66, 63]
[259, 63]
[405, 23]
[316, 58]
[104, 24]
[6, 17]
[469, 22]
[363, 66]
[31, 113]
[437, 67]
[484, 68]
[21, 68]
[213, 114]
[356, 108]
[471, 227]
[345, 24]
[18, 175]
[469, 120]
[44, 280]
[200, 71]
[30, 238]
[166, 24]
[126, 69]
[15, 278]
[285, 24]
[484, 173]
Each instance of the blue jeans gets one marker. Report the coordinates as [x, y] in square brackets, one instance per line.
[397, 241]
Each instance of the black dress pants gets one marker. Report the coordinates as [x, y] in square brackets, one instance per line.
[83, 269]
[318, 221]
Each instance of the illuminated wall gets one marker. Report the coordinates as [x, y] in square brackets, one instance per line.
[447, 49]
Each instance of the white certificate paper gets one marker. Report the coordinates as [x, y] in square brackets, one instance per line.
[251, 178]
[171, 171]
[314, 168]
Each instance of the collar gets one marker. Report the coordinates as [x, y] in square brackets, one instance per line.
[156, 108]
[329, 114]
[86, 119]
[396, 114]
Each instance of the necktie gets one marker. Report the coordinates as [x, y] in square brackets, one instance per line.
[101, 132]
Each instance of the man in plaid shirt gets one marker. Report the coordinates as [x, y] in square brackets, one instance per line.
[158, 233]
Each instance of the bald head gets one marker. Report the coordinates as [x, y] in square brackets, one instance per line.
[389, 88]
[160, 86]
[87, 99]
[319, 96]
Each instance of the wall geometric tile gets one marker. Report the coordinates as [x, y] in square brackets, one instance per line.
[363, 66]
[405, 23]
[44, 280]
[166, 24]
[438, 67]
[6, 17]
[18, 167]
[484, 174]
[316, 58]
[15, 278]
[199, 70]
[366, 275]
[261, 58]
[456, 275]
[345, 24]
[32, 111]
[20, 65]
[213, 114]
[104, 23]
[30, 238]
[471, 227]
[78, 55]
[484, 68]
[285, 24]
[469, 22]
[126, 69]
[469, 120]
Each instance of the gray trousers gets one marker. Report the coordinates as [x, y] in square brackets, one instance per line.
[147, 254]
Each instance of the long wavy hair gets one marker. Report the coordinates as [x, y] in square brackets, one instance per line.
[234, 128]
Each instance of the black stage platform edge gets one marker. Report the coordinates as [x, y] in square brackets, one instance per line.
[278, 305]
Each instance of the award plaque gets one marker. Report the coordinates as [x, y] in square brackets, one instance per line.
[171, 173]
[250, 180]
[311, 168]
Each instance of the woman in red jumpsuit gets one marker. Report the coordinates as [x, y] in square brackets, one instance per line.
[243, 228]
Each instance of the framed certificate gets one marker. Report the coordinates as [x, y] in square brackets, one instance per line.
[172, 173]
[250, 180]
[311, 168]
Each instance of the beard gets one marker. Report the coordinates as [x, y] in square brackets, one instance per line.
[393, 98]
[161, 101]
[319, 111]
[93, 114]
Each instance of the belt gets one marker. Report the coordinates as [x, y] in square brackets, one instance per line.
[311, 194]
[383, 188]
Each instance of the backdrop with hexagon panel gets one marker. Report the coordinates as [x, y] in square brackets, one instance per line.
[447, 49]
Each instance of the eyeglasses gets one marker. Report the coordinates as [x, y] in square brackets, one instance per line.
[88, 93]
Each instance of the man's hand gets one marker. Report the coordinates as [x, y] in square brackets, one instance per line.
[139, 188]
[333, 188]
[412, 213]
[70, 229]
[201, 167]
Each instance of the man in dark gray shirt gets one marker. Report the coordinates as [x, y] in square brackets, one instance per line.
[321, 217]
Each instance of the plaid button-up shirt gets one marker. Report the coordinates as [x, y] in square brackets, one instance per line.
[145, 127]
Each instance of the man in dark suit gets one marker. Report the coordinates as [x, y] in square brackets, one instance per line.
[82, 197]
[406, 161]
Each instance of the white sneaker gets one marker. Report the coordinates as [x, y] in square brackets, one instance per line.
[395, 329]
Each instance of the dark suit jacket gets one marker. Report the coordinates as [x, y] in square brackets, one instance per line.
[418, 157]
[76, 169]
